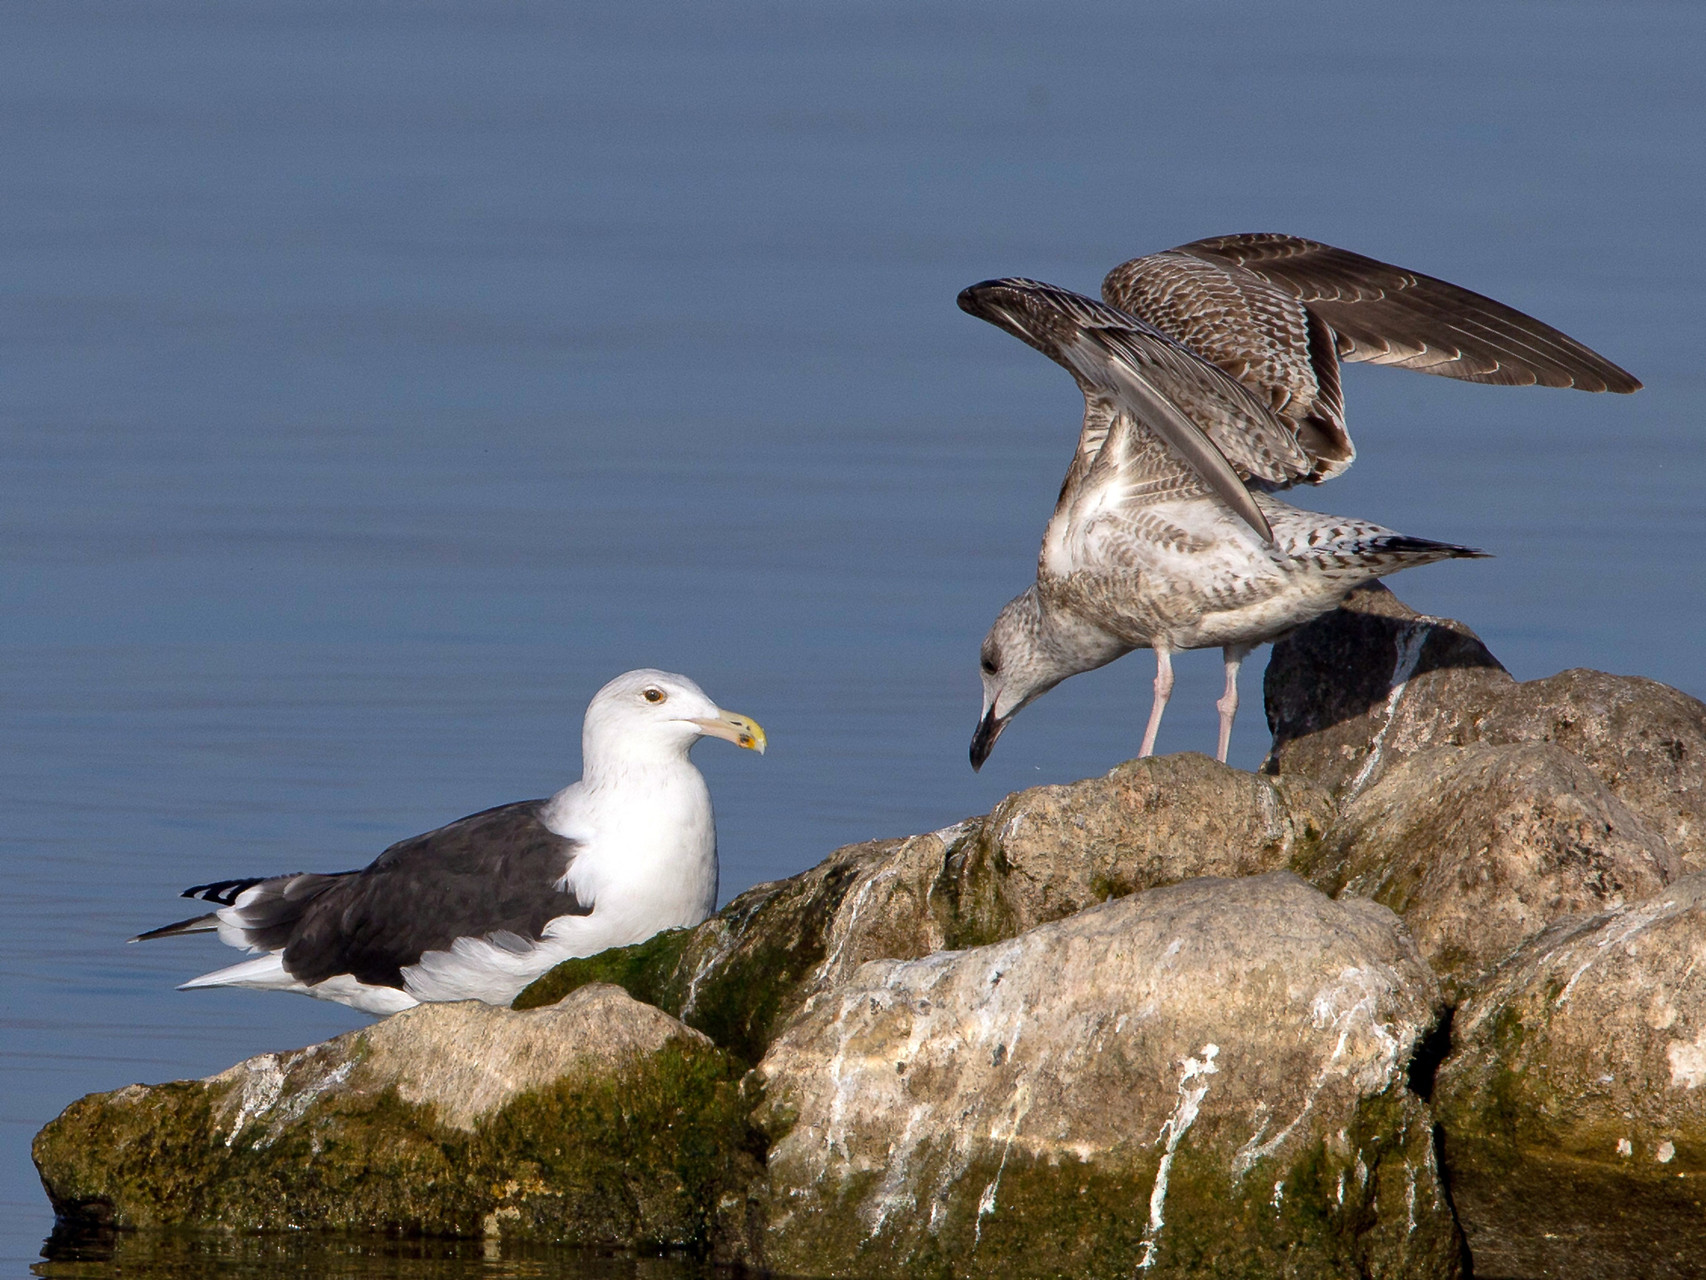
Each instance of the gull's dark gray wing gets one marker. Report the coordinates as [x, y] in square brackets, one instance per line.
[498, 872]
[1389, 315]
[1213, 424]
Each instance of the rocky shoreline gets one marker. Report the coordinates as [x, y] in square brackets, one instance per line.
[1421, 995]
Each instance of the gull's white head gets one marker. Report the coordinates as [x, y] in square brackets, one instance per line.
[650, 715]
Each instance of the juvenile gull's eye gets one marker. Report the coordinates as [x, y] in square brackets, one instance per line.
[988, 665]
[654, 694]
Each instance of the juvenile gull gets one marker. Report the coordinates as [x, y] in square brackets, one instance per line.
[476, 910]
[1156, 542]
[1215, 366]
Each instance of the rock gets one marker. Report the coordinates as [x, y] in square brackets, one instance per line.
[742, 974]
[1208, 1078]
[1574, 1102]
[1645, 740]
[1479, 848]
[1042, 854]
[1373, 683]
[1050, 851]
[1342, 692]
[599, 1120]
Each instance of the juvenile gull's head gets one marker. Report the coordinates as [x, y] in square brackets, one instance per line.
[1018, 664]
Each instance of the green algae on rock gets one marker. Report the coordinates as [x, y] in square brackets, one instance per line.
[1573, 1104]
[1207, 1078]
[739, 976]
[599, 1121]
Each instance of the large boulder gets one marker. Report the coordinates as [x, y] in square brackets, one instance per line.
[1363, 688]
[599, 1120]
[1042, 854]
[1047, 852]
[1645, 740]
[1479, 848]
[1204, 1079]
[1574, 1101]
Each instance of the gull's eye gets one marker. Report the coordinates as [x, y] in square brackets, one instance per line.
[653, 694]
[988, 665]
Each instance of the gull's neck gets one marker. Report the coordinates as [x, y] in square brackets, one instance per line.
[1072, 642]
[635, 786]
[609, 761]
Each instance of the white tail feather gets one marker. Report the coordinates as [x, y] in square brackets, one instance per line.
[265, 972]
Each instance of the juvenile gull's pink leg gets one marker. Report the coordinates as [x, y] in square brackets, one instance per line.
[1228, 704]
[1163, 691]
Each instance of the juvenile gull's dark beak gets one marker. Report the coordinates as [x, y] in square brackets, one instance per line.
[983, 741]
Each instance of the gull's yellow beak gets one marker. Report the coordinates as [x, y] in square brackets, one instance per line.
[741, 730]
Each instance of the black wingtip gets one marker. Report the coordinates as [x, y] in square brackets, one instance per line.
[195, 924]
[222, 892]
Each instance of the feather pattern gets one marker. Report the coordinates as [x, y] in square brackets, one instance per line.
[1128, 369]
[1279, 312]
[1156, 541]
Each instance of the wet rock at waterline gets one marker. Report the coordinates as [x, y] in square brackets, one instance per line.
[600, 1120]
[1208, 1078]
[1479, 848]
[1574, 1099]
[1373, 683]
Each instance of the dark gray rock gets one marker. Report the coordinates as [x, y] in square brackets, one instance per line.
[1369, 683]
[1373, 683]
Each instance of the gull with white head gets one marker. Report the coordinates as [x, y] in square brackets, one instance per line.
[479, 908]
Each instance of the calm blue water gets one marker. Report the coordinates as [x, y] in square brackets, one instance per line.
[377, 381]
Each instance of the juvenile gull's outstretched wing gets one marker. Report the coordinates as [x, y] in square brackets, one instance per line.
[1214, 424]
[1390, 315]
[1278, 313]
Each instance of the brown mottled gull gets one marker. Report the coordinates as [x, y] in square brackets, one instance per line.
[1213, 369]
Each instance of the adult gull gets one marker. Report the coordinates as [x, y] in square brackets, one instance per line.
[479, 908]
[1226, 388]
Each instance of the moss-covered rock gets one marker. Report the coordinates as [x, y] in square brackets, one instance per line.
[742, 974]
[1573, 1104]
[1204, 1079]
[1042, 854]
[1039, 1043]
[599, 1121]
